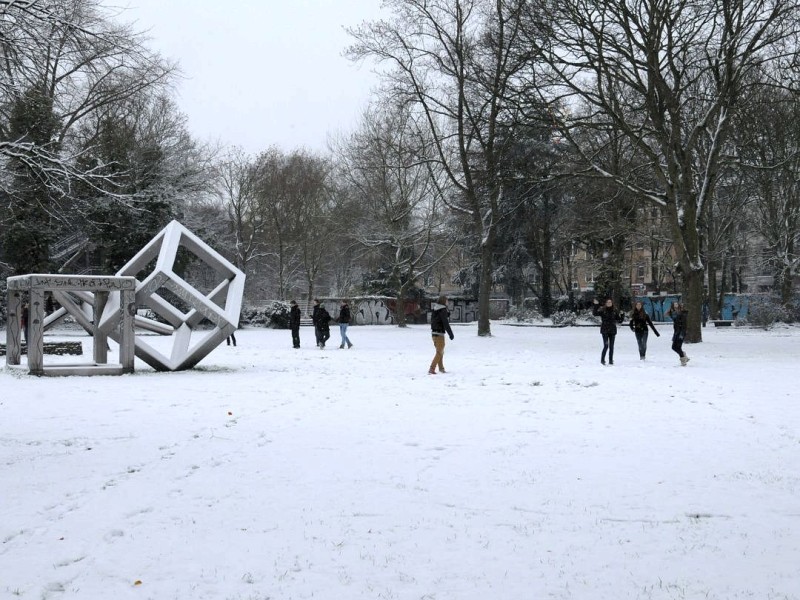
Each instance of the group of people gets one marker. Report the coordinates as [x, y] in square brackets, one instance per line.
[321, 319]
[640, 323]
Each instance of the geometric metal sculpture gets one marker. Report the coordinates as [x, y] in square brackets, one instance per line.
[85, 298]
[219, 309]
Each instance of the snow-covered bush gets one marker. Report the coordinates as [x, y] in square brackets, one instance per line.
[794, 309]
[523, 314]
[274, 315]
[765, 311]
[588, 316]
[564, 318]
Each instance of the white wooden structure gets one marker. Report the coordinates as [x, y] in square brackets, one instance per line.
[84, 298]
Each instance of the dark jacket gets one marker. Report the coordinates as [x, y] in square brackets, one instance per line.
[640, 321]
[344, 314]
[609, 317]
[294, 316]
[440, 323]
[315, 314]
[323, 318]
[678, 324]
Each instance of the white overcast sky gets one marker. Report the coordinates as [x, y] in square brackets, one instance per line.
[262, 72]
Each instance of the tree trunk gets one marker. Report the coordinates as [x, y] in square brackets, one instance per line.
[713, 300]
[310, 293]
[692, 269]
[547, 269]
[693, 302]
[723, 286]
[400, 308]
[786, 287]
[485, 290]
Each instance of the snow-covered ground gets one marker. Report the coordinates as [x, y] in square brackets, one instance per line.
[528, 471]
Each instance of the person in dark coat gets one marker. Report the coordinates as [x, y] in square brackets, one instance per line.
[344, 322]
[294, 323]
[609, 317]
[639, 323]
[324, 321]
[440, 324]
[678, 315]
[315, 320]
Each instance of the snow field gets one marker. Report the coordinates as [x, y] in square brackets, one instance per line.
[527, 471]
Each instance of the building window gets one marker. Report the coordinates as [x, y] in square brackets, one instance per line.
[640, 271]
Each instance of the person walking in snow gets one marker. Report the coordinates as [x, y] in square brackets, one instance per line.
[344, 321]
[324, 323]
[232, 336]
[440, 324]
[677, 313]
[315, 320]
[609, 317]
[639, 323]
[294, 323]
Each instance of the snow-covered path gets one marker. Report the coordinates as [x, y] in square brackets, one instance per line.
[528, 471]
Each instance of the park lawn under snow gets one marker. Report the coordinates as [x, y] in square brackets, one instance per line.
[528, 471]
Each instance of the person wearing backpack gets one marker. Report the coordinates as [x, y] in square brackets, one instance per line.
[440, 325]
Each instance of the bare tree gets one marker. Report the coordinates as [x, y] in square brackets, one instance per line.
[400, 202]
[769, 142]
[456, 63]
[237, 191]
[291, 191]
[71, 61]
[666, 78]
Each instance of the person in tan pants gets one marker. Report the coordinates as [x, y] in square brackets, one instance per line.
[440, 325]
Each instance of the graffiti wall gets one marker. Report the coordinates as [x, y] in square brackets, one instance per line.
[372, 311]
[377, 310]
[734, 306]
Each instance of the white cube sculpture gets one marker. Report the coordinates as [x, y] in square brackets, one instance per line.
[221, 306]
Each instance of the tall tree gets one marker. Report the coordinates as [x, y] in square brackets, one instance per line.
[32, 123]
[81, 64]
[666, 77]
[237, 191]
[457, 64]
[528, 243]
[152, 169]
[292, 193]
[768, 139]
[399, 199]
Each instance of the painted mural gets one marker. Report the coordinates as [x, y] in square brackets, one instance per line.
[734, 306]
[378, 310]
